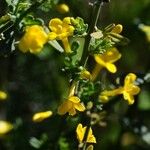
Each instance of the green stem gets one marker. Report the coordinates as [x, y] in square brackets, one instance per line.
[94, 18]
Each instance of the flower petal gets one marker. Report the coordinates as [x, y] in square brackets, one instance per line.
[80, 131]
[52, 36]
[5, 127]
[91, 138]
[74, 99]
[129, 98]
[72, 111]
[40, 116]
[111, 67]
[64, 107]
[54, 22]
[79, 107]
[129, 79]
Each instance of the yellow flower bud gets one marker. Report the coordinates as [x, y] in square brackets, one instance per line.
[85, 74]
[3, 95]
[5, 127]
[117, 29]
[40, 116]
[62, 8]
[103, 99]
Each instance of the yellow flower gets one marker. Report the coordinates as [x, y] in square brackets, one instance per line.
[40, 116]
[128, 90]
[3, 95]
[5, 127]
[81, 133]
[33, 40]
[61, 30]
[71, 105]
[62, 8]
[106, 60]
[146, 30]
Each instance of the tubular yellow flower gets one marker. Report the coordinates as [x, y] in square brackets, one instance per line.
[71, 105]
[33, 40]
[3, 95]
[40, 116]
[80, 131]
[5, 127]
[106, 60]
[62, 8]
[128, 90]
[61, 30]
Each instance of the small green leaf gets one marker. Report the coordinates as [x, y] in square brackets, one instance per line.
[56, 45]
[30, 20]
[34, 142]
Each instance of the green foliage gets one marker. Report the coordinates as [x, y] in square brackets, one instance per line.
[48, 5]
[99, 46]
[63, 144]
[30, 20]
[80, 26]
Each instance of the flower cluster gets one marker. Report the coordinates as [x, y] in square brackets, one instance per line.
[101, 44]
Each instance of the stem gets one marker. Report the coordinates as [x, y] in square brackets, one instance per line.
[94, 18]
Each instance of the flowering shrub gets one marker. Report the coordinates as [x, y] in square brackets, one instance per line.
[58, 88]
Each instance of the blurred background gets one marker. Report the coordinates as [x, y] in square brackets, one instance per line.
[36, 83]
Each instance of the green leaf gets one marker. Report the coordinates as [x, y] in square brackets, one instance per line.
[99, 46]
[34, 142]
[56, 45]
[144, 100]
[80, 26]
[12, 2]
[30, 20]
[63, 144]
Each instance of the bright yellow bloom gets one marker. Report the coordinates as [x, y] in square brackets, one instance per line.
[106, 60]
[62, 8]
[81, 132]
[5, 127]
[3, 95]
[146, 30]
[33, 40]
[40, 116]
[71, 105]
[128, 90]
[61, 30]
